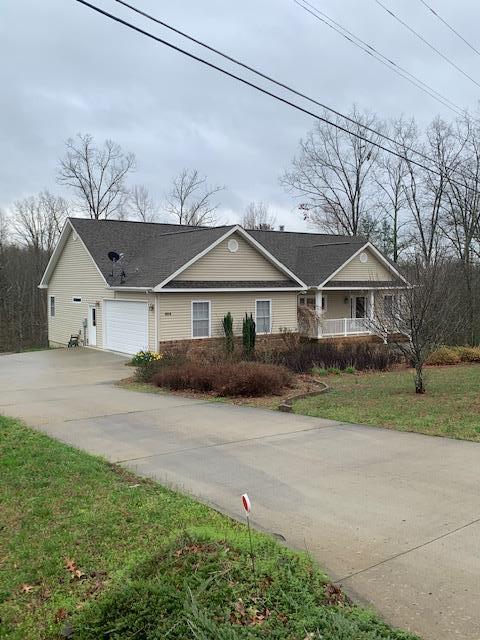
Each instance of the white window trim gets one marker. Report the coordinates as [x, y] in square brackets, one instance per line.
[209, 302]
[269, 300]
[77, 299]
[54, 306]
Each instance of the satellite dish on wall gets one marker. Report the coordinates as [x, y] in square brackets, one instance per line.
[113, 256]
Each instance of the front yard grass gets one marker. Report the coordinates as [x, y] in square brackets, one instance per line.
[90, 551]
[451, 406]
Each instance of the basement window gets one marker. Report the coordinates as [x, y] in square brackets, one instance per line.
[76, 300]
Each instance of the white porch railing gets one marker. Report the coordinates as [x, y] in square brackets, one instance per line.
[344, 327]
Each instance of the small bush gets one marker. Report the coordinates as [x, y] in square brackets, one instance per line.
[443, 356]
[145, 357]
[334, 370]
[225, 379]
[468, 354]
[147, 369]
[253, 379]
[350, 370]
[319, 371]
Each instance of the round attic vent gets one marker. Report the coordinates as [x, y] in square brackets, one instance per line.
[363, 258]
[232, 245]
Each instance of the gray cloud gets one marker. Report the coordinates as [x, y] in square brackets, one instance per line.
[65, 69]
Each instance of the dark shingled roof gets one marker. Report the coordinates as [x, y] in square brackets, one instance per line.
[230, 284]
[154, 251]
[366, 284]
[313, 257]
[151, 251]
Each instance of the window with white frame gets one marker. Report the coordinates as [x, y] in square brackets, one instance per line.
[263, 316]
[52, 306]
[76, 299]
[201, 319]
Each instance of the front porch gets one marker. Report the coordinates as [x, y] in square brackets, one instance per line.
[345, 312]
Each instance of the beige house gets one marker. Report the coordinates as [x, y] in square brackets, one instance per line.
[125, 286]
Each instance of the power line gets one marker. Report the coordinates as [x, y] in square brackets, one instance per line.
[270, 79]
[377, 55]
[425, 41]
[261, 89]
[449, 26]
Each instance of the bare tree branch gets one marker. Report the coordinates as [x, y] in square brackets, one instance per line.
[258, 216]
[96, 175]
[190, 199]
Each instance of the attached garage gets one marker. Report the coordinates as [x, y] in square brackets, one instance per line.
[125, 326]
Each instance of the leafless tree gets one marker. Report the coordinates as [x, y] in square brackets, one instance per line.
[426, 191]
[4, 228]
[391, 173]
[96, 175]
[258, 216]
[333, 174]
[190, 200]
[36, 221]
[460, 219]
[141, 205]
[424, 316]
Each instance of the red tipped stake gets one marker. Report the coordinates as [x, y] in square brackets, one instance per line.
[247, 505]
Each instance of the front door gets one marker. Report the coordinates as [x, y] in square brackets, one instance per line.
[92, 326]
[359, 307]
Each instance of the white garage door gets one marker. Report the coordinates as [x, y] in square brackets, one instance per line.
[126, 326]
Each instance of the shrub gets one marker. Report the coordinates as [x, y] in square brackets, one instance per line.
[319, 371]
[225, 379]
[227, 324]
[248, 335]
[144, 357]
[334, 370]
[361, 356]
[444, 355]
[350, 370]
[468, 354]
[253, 379]
[147, 369]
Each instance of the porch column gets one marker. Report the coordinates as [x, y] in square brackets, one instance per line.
[371, 309]
[318, 310]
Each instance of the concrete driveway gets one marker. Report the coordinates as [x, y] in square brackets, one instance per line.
[394, 517]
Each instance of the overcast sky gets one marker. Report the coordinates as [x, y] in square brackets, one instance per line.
[65, 69]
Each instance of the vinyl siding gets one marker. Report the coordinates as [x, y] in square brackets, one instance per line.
[220, 264]
[76, 275]
[373, 269]
[336, 306]
[175, 311]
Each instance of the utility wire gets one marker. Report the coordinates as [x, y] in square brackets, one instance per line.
[425, 41]
[449, 26]
[377, 55]
[261, 89]
[270, 79]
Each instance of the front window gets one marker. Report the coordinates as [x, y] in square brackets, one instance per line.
[201, 319]
[264, 316]
[52, 306]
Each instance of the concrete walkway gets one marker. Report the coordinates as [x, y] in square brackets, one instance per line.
[394, 517]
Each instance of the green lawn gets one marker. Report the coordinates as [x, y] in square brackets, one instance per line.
[451, 406]
[89, 551]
